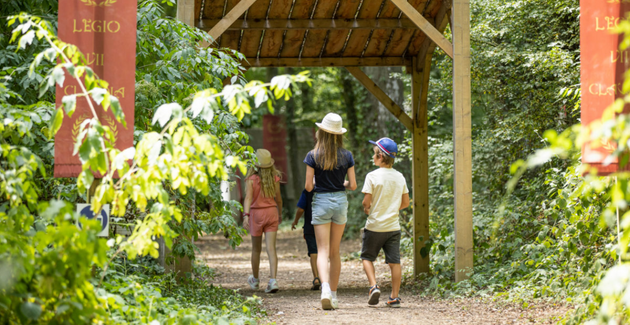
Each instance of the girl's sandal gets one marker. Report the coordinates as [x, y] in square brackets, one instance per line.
[316, 285]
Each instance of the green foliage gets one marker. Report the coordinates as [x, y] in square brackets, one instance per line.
[531, 239]
[49, 259]
[38, 238]
[142, 294]
[14, 64]
[551, 234]
[171, 68]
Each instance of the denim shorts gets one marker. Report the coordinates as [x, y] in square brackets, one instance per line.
[330, 207]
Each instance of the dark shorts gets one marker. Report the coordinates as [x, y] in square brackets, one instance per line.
[311, 243]
[374, 241]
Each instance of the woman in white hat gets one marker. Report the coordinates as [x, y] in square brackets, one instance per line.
[262, 211]
[329, 162]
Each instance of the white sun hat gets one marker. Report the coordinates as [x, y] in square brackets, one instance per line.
[332, 124]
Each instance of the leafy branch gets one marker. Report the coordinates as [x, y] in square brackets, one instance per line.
[179, 155]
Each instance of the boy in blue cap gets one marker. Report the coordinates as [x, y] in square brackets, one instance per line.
[386, 193]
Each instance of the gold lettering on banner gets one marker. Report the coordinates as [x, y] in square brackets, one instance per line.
[101, 3]
[109, 28]
[65, 90]
[601, 90]
[597, 24]
[71, 90]
[617, 1]
[120, 93]
[87, 25]
[95, 58]
[621, 56]
[74, 27]
[610, 24]
[96, 26]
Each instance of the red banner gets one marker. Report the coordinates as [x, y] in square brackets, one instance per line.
[105, 32]
[275, 140]
[602, 70]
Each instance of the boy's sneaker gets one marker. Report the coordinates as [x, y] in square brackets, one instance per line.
[326, 300]
[253, 282]
[375, 293]
[394, 303]
[272, 286]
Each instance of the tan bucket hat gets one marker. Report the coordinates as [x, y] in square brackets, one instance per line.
[264, 158]
[332, 124]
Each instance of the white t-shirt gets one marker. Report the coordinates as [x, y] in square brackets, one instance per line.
[387, 187]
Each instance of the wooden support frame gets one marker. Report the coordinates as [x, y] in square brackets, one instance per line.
[312, 24]
[428, 46]
[462, 143]
[186, 12]
[420, 166]
[230, 18]
[425, 26]
[373, 88]
[329, 62]
[362, 48]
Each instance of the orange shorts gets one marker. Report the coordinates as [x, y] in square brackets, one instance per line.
[263, 220]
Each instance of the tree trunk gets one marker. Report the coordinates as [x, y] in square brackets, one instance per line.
[293, 151]
[271, 72]
[386, 124]
[351, 108]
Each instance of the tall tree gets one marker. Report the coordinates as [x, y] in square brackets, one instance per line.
[394, 88]
[349, 98]
[293, 152]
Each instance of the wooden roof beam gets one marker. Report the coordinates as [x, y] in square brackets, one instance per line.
[327, 24]
[329, 62]
[389, 103]
[442, 18]
[230, 18]
[425, 26]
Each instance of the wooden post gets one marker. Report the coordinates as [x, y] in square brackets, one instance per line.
[462, 140]
[186, 12]
[420, 182]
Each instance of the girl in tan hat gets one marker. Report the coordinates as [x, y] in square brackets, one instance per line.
[262, 211]
[329, 162]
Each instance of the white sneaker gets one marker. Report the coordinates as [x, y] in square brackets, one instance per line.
[253, 282]
[272, 286]
[327, 300]
[334, 303]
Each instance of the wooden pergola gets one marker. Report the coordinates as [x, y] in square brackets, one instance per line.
[357, 33]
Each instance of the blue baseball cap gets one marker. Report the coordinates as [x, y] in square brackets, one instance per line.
[387, 145]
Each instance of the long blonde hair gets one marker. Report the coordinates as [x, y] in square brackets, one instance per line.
[267, 179]
[328, 149]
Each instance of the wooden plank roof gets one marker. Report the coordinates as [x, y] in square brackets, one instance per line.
[325, 32]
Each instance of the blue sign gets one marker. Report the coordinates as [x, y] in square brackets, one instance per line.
[87, 212]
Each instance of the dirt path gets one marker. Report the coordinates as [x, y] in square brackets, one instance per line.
[295, 304]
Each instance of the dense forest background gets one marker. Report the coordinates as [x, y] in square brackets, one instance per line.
[546, 235]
